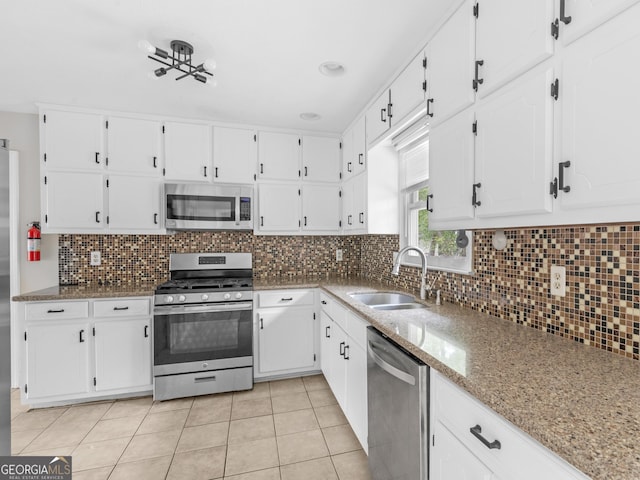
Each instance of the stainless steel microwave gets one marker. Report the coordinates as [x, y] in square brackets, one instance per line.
[192, 206]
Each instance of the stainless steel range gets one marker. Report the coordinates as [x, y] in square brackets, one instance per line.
[202, 326]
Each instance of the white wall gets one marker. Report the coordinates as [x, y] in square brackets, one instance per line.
[22, 131]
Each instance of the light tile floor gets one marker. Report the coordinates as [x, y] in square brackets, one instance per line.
[283, 430]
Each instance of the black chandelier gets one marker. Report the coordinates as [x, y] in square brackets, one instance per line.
[180, 60]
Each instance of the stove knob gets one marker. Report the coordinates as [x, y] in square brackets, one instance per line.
[238, 295]
[205, 297]
[168, 299]
[182, 298]
[227, 296]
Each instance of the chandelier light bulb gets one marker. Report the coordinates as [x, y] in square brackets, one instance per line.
[146, 47]
[210, 65]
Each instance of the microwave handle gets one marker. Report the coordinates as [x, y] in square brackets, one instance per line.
[238, 208]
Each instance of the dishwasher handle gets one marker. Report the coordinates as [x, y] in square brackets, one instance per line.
[390, 369]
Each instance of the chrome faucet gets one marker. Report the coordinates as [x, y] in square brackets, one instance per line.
[423, 258]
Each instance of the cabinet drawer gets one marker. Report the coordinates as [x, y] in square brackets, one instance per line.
[283, 298]
[517, 453]
[121, 307]
[57, 310]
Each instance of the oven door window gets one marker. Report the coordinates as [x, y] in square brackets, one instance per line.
[201, 208]
[190, 337]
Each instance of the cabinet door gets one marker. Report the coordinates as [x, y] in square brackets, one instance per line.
[338, 365]
[133, 145]
[511, 37]
[378, 121]
[451, 169]
[360, 202]
[348, 154]
[326, 328]
[514, 148]
[122, 353]
[278, 207]
[57, 359]
[187, 151]
[321, 208]
[73, 202]
[450, 58]
[235, 153]
[585, 15]
[600, 122]
[320, 159]
[407, 92]
[359, 146]
[356, 391]
[278, 156]
[73, 140]
[134, 203]
[286, 339]
[450, 459]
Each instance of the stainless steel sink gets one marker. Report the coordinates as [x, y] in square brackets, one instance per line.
[387, 300]
[399, 306]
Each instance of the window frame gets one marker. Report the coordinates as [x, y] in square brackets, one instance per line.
[409, 209]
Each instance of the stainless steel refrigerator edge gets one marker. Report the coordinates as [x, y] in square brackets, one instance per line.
[397, 391]
[5, 307]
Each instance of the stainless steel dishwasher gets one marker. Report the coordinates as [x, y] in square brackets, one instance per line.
[397, 390]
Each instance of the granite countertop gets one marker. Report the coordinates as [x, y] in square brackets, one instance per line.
[580, 402]
[78, 292]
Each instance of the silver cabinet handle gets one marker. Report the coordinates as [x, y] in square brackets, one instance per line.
[390, 369]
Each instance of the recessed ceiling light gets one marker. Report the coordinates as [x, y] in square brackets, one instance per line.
[331, 69]
[311, 116]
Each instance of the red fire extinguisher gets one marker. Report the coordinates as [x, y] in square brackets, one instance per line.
[33, 242]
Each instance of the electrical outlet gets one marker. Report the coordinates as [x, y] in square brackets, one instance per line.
[558, 280]
[339, 255]
[95, 259]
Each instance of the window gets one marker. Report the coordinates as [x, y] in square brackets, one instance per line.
[440, 246]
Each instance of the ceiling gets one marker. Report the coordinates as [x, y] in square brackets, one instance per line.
[85, 53]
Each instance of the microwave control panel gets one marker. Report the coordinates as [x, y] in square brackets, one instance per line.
[245, 209]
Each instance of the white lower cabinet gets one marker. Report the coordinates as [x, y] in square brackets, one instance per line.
[470, 441]
[122, 353]
[451, 459]
[71, 355]
[57, 354]
[285, 333]
[344, 362]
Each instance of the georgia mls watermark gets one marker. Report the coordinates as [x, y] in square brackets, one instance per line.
[35, 468]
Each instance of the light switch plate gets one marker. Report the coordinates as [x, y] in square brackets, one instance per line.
[95, 260]
[558, 280]
[338, 255]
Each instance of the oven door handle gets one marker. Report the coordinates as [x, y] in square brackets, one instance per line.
[209, 308]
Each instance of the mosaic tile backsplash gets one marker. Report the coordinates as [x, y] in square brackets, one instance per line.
[601, 307]
[602, 303]
[130, 259]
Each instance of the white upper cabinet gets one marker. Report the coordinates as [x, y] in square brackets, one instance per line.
[577, 17]
[514, 148]
[133, 145]
[407, 92]
[278, 156]
[354, 204]
[320, 159]
[321, 208]
[73, 202]
[450, 60]
[378, 121]
[451, 168]
[600, 122]
[235, 155]
[72, 140]
[134, 203]
[278, 207]
[512, 36]
[187, 150]
[354, 150]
